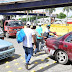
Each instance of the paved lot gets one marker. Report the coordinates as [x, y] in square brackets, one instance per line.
[41, 62]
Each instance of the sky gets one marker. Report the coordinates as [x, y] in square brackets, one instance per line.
[58, 10]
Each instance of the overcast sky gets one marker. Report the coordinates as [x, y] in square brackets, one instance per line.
[58, 10]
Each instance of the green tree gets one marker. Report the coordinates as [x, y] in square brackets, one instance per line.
[61, 15]
[67, 9]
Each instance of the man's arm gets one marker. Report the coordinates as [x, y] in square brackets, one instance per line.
[34, 39]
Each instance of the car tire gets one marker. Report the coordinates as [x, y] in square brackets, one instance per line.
[61, 57]
[7, 34]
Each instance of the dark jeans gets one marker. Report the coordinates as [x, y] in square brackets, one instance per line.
[38, 45]
[28, 53]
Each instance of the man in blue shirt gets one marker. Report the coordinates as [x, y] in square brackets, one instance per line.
[39, 30]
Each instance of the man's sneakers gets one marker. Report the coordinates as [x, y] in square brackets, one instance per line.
[26, 66]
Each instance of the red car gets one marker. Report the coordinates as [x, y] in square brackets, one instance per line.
[60, 47]
[11, 27]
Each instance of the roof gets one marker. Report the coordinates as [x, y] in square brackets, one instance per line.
[33, 4]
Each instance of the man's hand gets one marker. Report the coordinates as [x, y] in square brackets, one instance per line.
[44, 37]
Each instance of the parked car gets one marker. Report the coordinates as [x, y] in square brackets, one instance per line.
[60, 48]
[11, 27]
[6, 49]
[1, 33]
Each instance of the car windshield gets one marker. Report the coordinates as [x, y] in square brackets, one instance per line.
[15, 23]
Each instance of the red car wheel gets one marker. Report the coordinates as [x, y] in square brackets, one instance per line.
[61, 57]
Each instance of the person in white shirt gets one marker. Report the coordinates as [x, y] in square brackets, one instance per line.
[27, 43]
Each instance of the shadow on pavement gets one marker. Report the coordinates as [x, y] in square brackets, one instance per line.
[52, 57]
[39, 62]
[15, 56]
[39, 54]
[46, 68]
[69, 63]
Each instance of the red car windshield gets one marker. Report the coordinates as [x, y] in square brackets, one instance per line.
[15, 23]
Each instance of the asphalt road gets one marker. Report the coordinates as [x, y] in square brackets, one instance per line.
[40, 62]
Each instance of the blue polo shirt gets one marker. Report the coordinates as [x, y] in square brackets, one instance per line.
[39, 30]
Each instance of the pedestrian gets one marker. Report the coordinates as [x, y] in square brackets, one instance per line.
[27, 43]
[39, 30]
[36, 34]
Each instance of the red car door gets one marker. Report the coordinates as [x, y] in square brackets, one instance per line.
[68, 46]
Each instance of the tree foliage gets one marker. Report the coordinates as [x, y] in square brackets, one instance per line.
[67, 8]
[31, 18]
[61, 15]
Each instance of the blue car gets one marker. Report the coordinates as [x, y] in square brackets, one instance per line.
[6, 49]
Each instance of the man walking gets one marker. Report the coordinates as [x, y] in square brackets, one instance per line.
[27, 43]
[39, 30]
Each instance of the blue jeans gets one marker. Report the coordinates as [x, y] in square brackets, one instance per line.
[35, 51]
[28, 53]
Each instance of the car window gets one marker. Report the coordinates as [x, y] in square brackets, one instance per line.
[69, 39]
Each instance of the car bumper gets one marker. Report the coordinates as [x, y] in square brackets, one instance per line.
[49, 51]
[7, 53]
[12, 34]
